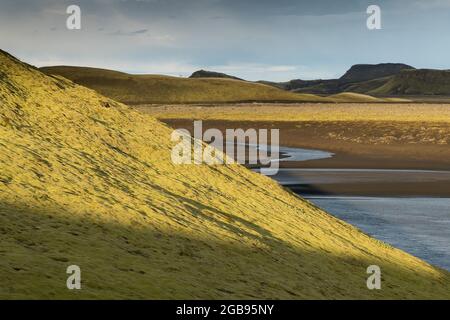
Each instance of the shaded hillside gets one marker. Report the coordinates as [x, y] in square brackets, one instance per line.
[212, 74]
[365, 86]
[308, 86]
[324, 87]
[416, 82]
[88, 181]
[147, 89]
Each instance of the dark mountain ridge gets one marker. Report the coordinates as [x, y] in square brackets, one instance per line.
[365, 72]
[212, 74]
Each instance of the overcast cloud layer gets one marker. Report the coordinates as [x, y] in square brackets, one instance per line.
[253, 39]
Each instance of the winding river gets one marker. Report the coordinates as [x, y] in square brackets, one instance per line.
[416, 224]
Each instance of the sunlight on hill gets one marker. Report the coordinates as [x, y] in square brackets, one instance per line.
[354, 97]
[355, 112]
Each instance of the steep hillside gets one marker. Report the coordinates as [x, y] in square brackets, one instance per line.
[87, 181]
[416, 82]
[147, 89]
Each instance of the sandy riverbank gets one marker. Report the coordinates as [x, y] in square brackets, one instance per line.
[358, 145]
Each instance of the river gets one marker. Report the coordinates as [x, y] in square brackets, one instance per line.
[416, 224]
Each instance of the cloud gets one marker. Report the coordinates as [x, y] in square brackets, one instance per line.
[139, 31]
[128, 33]
[432, 4]
[252, 39]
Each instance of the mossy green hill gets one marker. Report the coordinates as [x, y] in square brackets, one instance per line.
[424, 82]
[88, 181]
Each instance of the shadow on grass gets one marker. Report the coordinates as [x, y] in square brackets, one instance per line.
[142, 261]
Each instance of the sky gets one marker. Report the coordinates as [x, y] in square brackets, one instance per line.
[252, 39]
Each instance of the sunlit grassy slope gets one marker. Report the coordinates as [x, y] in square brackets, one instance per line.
[355, 112]
[142, 89]
[87, 181]
[354, 97]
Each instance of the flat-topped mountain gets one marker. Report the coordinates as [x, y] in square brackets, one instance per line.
[361, 78]
[364, 72]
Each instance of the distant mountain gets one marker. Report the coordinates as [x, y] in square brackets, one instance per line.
[360, 78]
[365, 72]
[212, 74]
[384, 79]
